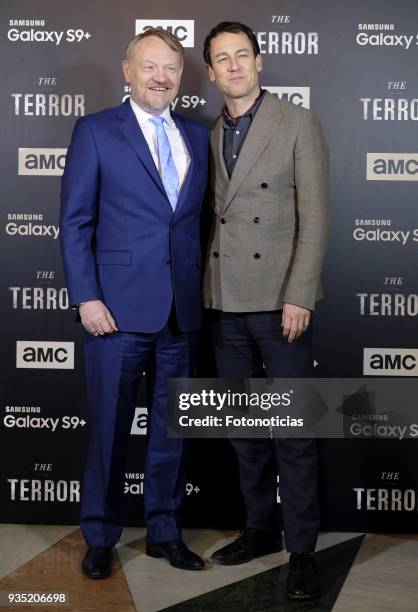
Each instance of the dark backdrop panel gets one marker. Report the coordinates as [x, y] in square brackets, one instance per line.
[352, 63]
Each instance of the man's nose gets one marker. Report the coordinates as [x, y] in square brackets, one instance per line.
[159, 75]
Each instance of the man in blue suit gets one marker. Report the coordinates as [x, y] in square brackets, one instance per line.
[132, 192]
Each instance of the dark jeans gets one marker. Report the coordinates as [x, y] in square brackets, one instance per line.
[253, 345]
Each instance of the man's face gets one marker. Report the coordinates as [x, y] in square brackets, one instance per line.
[154, 72]
[234, 67]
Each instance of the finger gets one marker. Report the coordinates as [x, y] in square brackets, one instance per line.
[307, 319]
[98, 328]
[286, 323]
[293, 330]
[111, 321]
[105, 326]
[300, 326]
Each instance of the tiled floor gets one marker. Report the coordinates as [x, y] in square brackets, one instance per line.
[362, 573]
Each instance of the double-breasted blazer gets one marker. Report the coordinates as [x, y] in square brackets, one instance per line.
[271, 218]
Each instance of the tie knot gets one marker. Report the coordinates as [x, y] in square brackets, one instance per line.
[157, 121]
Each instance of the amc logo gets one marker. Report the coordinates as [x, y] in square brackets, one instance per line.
[41, 162]
[140, 422]
[299, 96]
[45, 355]
[183, 29]
[392, 167]
[390, 362]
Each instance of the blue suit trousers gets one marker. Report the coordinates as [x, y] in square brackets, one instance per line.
[114, 366]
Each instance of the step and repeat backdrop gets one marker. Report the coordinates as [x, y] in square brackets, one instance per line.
[355, 65]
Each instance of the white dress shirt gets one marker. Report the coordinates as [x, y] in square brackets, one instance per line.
[179, 150]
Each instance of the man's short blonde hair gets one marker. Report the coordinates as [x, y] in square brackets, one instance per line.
[169, 39]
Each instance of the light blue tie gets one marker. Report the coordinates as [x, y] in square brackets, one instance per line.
[169, 174]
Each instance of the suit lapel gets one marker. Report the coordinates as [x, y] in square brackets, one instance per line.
[133, 134]
[192, 154]
[259, 135]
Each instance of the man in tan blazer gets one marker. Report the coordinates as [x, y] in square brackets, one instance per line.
[270, 202]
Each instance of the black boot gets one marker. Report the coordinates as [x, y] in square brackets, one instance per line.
[250, 544]
[303, 579]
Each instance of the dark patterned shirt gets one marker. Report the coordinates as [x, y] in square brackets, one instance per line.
[235, 131]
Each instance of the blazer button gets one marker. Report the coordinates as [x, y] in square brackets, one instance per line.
[169, 262]
[172, 227]
[223, 220]
[215, 254]
[263, 185]
[256, 219]
[257, 255]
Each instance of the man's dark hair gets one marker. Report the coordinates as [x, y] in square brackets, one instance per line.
[233, 27]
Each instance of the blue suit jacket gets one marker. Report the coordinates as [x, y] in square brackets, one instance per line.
[121, 242]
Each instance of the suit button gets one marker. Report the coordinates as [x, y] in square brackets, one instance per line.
[172, 227]
[215, 254]
[256, 219]
[169, 262]
[263, 185]
[257, 255]
[223, 220]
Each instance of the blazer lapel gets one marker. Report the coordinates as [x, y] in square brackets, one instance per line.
[133, 134]
[221, 173]
[259, 135]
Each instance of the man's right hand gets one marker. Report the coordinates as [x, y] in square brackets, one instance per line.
[96, 318]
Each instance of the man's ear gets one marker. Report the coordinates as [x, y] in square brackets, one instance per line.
[258, 63]
[126, 70]
[211, 73]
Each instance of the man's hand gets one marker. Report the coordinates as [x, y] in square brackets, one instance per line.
[295, 320]
[96, 318]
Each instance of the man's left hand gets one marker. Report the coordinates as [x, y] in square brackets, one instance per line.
[295, 320]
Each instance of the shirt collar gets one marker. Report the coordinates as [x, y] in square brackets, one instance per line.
[233, 121]
[143, 117]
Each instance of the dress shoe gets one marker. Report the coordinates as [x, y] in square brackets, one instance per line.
[177, 554]
[97, 562]
[303, 579]
[250, 544]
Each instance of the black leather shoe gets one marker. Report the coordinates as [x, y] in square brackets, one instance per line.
[97, 562]
[250, 544]
[303, 579]
[177, 554]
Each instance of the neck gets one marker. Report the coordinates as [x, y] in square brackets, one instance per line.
[238, 106]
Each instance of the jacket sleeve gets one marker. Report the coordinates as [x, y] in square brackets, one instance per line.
[313, 212]
[79, 200]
